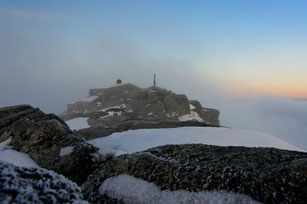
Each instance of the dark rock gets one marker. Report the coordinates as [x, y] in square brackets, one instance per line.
[177, 104]
[265, 174]
[32, 185]
[210, 116]
[48, 141]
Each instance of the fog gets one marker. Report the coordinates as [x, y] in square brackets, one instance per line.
[50, 66]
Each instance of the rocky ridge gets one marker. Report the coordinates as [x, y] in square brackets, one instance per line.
[48, 141]
[147, 108]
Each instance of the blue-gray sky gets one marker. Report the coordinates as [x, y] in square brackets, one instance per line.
[52, 52]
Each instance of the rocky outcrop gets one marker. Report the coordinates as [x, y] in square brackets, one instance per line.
[146, 108]
[32, 185]
[265, 174]
[48, 141]
[207, 114]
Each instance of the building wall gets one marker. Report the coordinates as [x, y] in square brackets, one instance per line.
[115, 90]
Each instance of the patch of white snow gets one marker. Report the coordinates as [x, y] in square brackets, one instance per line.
[108, 108]
[192, 116]
[134, 190]
[138, 140]
[66, 151]
[192, 107]
[14, 157]
[77, 123]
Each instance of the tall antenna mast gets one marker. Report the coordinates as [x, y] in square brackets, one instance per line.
[154, 80]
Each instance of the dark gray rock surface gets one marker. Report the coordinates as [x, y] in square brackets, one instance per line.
[48, 141]
[32, 185]
[267, 175]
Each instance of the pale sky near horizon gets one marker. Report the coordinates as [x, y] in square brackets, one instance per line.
[63, 48]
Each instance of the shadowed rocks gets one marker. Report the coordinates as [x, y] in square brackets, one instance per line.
[265, 174]
[46, 138]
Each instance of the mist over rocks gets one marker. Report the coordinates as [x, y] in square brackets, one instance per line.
[45, 137]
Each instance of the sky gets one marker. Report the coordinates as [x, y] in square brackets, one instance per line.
[230, 55]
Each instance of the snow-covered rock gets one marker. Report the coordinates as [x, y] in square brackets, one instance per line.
[7, 154]
[129, 189]
[169, 172]
[138, 140]
[44, 137]
[35, 185]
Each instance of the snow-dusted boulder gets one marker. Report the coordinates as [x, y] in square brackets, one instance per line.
[264, 174]
[35, 185]
[48, 141]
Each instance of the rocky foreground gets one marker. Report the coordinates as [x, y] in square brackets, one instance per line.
[265, 175]
[43, 137]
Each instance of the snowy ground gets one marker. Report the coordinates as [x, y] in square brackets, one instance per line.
[137, 140]
[77, 123]
[14, 157]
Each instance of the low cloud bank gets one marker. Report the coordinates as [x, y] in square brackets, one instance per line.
[283, 118]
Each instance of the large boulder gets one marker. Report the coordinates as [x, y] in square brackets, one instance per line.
[48, 141]
[210, 116]
[33, 185]
[265, 174]
[178, 104]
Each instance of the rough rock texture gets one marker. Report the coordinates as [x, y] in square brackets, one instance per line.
[265, 174]
[44, 138]
[32, 185]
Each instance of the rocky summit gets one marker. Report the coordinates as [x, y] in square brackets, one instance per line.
[126, 106]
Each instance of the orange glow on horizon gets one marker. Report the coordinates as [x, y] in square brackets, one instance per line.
[285, 89]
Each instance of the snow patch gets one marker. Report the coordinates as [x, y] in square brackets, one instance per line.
[108, 108]
[77, 123]
[138, 140]
[5, 145]
[134, 190]
[192, 107]
[173, 114]
[14, 157]
[66, 151]
[192, 116]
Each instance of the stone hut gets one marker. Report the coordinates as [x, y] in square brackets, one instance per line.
[102, 95]
[111, 92]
